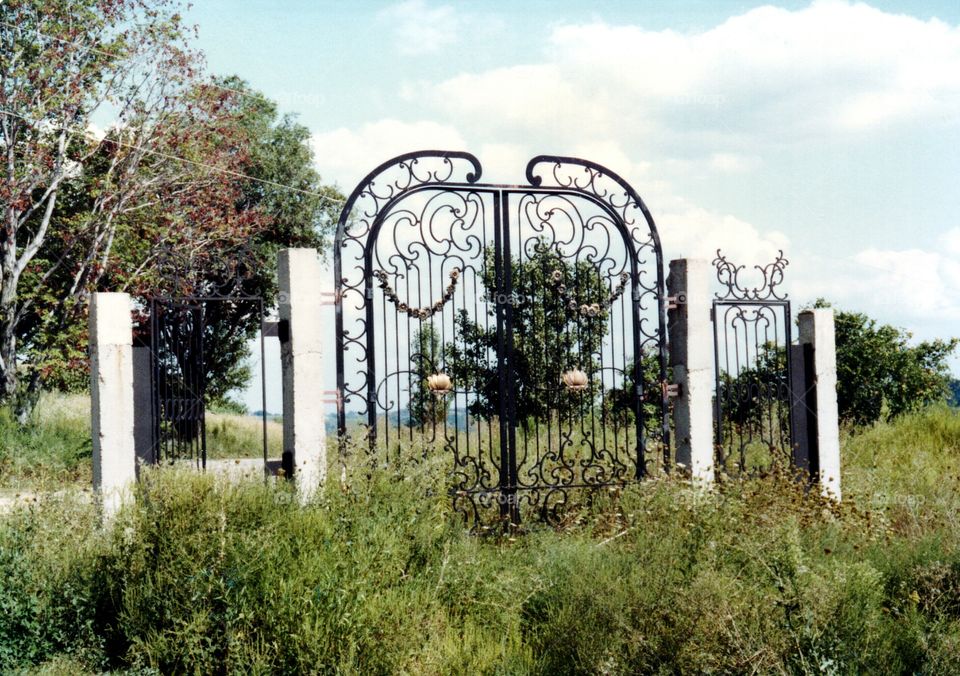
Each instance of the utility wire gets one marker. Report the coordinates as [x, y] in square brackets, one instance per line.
[326, 198]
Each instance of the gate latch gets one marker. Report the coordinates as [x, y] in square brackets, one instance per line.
[671, 390]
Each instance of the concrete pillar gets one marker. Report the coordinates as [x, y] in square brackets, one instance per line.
[816, 330]
[302, 334]
[691, 356]
[111, 387]
[143, 407]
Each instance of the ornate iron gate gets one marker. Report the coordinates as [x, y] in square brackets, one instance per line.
[520, 329]
[182, 359]
[754, 389]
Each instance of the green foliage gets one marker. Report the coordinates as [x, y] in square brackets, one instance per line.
[548, 339]
[619, 401]
[377, 576]
[881, 374]
[192, 192]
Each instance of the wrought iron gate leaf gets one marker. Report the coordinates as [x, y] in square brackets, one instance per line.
[511, 327]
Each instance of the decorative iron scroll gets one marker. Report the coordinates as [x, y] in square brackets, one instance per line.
[728, 275]
[364, 208]
[584, 309]
[228, 274]
[418, 312]
[421, 228]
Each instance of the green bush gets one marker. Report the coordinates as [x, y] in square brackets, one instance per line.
[378, 576]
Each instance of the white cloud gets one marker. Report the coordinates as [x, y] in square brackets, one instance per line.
[896, 284]
[951, 242]
[700, 105]
[345, 156]
[832, 68]
[420, 28]
[733, 162]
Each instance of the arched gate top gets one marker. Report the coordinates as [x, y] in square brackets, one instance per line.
[409, 172]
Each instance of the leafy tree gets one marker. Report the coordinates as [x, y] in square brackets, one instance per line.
[618, 404]
[159, 204]
[549, 337]
[60, 63]
[749, 397]
[954, 392]
[880, 374]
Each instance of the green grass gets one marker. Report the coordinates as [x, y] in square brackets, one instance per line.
[53, 448]
[377, 576]
[236, 436]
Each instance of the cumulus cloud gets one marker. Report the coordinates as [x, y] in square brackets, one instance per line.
[701, 104]
[344, 156]
[420, 28]
[912, 285]
[832, 68]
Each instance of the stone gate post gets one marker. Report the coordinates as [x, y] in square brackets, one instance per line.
[690, 334]
[817, 332]
[302, 333]
[112, 399]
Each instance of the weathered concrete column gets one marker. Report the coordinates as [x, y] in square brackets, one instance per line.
[143, 404]
[816, 330]
[111, 388]
[691, 356]
[301, 351]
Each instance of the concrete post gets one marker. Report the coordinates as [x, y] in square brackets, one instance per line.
[302, 334]
[816, 330]
[142, 406]
[111, 387]
[691, 356]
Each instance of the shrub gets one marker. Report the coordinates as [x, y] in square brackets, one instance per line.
[376, 575]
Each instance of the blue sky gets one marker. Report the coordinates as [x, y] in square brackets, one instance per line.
[830, 129]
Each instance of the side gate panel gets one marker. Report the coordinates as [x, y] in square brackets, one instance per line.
[755, 422]
[194, 339]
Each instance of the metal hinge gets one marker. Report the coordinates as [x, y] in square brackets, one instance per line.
[673, 302]
[334, 297]
[337, 399]
[671, 390]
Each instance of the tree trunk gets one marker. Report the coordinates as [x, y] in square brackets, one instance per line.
[8, 311]
[8, 351]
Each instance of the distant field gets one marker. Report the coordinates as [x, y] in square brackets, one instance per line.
[55, 448]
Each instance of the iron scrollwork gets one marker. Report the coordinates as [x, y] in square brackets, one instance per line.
[772, 274]
[584, 309]
[516, 438]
